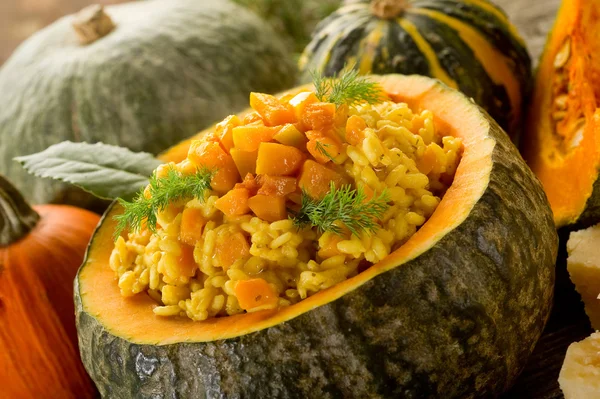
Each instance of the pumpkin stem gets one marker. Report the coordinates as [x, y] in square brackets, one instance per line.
[17, 217]
[92, 23]
[388, 9]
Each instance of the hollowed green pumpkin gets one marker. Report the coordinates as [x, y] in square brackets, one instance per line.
[167, 70]
[453, 313]
[469, 45]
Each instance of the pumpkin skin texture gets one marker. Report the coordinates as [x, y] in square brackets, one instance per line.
[563, 141]
[470, 46]
[167, 70]
[453, 313]
[40, 252]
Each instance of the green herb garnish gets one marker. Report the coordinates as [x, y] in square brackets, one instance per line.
[343, 207]
[321, 148]
[163, 191]
[348, 88]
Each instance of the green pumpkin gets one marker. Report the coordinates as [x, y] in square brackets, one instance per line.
[164, 72]
[453, 313]
[469, 45]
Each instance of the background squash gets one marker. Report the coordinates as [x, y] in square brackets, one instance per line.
[294, 19]
[166, 70]
[454, 312]
[562, 145]
[41, 249]
[469, 45]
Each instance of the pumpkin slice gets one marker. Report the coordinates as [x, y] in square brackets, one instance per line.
[454, 312]
[563, 142]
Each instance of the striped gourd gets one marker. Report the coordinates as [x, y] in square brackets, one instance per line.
[467, 44]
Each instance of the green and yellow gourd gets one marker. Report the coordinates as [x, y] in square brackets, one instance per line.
[143, 75]
[454, 312]
[469, 45]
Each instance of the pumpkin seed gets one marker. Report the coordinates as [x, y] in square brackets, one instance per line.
[578, 135]
[563, 54]
[560, 102]
[558, 116]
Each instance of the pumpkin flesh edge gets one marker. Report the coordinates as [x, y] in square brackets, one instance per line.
[133, 318]
[570, 179]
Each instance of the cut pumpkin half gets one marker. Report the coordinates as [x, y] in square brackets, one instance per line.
[454, 312]
[562, 145]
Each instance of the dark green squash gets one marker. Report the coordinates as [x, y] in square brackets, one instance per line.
[453, 313]
[469, 45]
[165, 71]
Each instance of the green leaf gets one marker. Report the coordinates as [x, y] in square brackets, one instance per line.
[103, 170]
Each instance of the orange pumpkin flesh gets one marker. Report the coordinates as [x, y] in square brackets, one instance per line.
[132, 318]
[39, 356]
[563, 142]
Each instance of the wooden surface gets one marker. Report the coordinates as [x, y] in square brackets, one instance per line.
[534, 18]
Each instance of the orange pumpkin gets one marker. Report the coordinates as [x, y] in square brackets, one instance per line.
[41, 249]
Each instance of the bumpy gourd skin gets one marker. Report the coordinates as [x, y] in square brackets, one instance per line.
[168, 69]
[385, 46]
[458, 321]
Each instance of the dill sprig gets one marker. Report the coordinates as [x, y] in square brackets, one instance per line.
[348, 88]
[343, 207]
[321, 148]
[173, 187]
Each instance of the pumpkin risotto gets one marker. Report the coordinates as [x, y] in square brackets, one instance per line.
[239, 249]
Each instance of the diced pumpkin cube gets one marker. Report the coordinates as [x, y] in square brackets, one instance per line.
[315, 178]
[249, 137]
[186, 264]
[295, 197]
[245, 161]
[318, 116]
[230, 248]
[251, 117]
[301, 100]
[234, 203]
[278, 159]
[290, 135]
[208, 154]
[272, 111]
[186, 167]
[277, 186]
[268, 208]
[354, 130]
[224, 131]
[328, 245]
[250, 183]
[192, 223]
[323, 149]
[256, 294]
[285, 99]
[225, 177]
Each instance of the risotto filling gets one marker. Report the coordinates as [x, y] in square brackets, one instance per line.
[249, 242]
